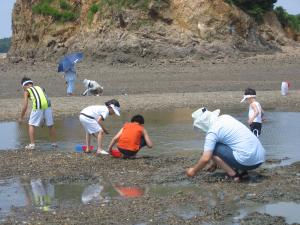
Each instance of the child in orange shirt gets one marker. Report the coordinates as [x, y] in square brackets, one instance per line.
[131, 138]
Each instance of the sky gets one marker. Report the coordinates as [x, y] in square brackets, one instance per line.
[6, 6]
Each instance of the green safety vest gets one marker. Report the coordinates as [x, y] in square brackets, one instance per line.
[38, 98]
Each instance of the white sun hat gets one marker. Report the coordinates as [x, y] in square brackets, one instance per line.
[204, 119]
[86, 82]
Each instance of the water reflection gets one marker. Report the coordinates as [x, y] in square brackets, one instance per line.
[46, 196]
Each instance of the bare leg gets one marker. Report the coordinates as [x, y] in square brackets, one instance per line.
[99, 140]
[87, 141]
[31, 134]
[52, 133]
[224, 166]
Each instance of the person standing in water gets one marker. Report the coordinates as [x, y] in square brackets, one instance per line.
[92, 119]
[255, 111]
[41, 111]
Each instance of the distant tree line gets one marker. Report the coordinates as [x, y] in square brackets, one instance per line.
[255, 8]
[5, 45]
[288, 20]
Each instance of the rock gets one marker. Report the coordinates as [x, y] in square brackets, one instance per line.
[173, 29]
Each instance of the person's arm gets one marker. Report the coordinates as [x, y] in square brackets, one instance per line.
[255, 110]
[100, 121]
[147, 139]
[85, 92]
[25, 105]
[114, 140]
[203, 161]
[262, 114]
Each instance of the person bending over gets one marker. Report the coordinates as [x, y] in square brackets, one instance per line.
[229, 144]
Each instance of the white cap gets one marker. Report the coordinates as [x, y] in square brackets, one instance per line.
[204, 119]
[248, 96]
[116, 109]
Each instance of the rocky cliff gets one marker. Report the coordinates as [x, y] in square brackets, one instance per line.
[169, 29]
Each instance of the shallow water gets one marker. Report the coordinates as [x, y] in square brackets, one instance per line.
[171, 132]
[288, 210]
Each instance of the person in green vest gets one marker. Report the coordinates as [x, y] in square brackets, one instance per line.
[41, 111]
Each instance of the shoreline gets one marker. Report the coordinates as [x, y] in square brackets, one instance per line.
[226, 101]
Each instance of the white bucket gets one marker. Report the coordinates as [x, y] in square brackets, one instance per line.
[284, 88]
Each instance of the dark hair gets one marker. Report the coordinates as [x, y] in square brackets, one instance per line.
[249, 91]
[112, 101]
[25, 79]
[138, 119]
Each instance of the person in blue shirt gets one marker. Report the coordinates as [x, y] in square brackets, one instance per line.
[70, 77]
[229, 144]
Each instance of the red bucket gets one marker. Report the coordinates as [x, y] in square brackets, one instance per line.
[116, 153]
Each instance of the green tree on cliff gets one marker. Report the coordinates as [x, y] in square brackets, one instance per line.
[255, 8]
[288, 20]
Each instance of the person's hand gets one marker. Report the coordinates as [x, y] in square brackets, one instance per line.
[20, 119]
[106, 131]
[190, 172]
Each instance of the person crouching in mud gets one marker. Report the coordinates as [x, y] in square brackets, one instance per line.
[92, 88]
[131, 138]
[229, 144]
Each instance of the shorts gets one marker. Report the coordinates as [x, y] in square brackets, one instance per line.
[127, 153]
[226, 154]
[37, 117]
[255, 128]
[91, 126]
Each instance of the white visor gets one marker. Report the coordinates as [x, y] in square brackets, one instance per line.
[248, 96]
[116, 109]
[26, 82]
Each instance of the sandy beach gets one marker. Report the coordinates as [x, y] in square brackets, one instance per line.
[152, 87]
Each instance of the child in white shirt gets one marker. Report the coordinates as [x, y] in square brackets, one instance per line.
[255, 111]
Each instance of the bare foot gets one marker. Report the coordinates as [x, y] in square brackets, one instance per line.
[212, 167]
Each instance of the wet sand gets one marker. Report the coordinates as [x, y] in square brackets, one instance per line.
[159, 86]
[217, 198]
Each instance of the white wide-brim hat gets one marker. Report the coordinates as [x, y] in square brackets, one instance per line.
[204, 119]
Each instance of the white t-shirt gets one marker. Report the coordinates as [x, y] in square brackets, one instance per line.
[247, 149]
[257, 119]
[96, 111]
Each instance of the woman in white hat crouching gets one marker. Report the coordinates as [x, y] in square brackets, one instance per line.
[229, 144]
